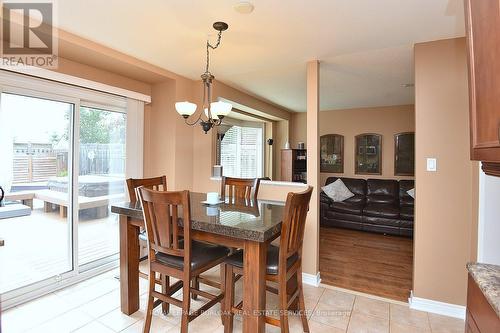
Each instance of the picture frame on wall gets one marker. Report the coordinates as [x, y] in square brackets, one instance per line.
[332, 153]
[368, 154]
[404, 154]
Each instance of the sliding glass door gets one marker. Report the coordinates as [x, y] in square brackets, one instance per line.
[101, 182]
[62, 166]
[36, 150]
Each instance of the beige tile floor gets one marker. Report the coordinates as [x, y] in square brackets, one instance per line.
[93, 306]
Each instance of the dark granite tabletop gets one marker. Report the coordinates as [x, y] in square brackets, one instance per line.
[259, 222]
[487, 278]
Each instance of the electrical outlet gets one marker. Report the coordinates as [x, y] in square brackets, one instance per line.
[432, 164]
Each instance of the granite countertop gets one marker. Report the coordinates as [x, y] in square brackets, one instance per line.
[259, 222]
[487, 278]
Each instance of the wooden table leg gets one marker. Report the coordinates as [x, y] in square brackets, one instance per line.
[129, 266]
[254, 284]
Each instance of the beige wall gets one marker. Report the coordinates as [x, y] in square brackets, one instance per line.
[446, 205]
[386, 121]
[204, 144]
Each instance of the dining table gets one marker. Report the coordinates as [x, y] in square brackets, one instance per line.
[248, 227]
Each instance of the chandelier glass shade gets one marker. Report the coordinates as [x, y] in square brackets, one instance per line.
[211, 113]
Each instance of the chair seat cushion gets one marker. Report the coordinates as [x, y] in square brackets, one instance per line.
[273, 253]
[201, 255]
[406, 213]
[347, 207]
[381, 210]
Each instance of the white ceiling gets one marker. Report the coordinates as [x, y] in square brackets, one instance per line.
[365, 46]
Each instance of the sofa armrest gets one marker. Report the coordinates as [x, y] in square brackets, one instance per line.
[323, 198]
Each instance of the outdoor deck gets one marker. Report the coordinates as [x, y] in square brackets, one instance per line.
[38, 246]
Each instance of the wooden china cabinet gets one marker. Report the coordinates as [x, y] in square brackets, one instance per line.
[483, 42]
[294, 165]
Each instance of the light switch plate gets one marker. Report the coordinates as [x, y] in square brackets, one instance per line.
[431, 164]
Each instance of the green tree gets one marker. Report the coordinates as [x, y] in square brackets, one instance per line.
[93, 126]
[98, 126]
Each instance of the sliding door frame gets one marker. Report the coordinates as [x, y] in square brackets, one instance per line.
[29, 86]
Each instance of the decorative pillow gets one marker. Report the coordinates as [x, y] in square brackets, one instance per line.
[411, 193]
[337, 191]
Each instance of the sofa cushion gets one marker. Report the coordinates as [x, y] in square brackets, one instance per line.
[406, 224]
[404, 198]
[381, 210]
[347, 207]
[333, 215]
[356, 186]
[382, 191]
[337, 191]
[381, 221]
[406, 213]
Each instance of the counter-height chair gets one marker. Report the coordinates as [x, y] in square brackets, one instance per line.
[173, 253]
[283, 263]
[239, 192]
[159, 184]
[133, 184]
[156, 183]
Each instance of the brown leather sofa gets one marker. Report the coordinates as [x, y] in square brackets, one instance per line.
[378, 205]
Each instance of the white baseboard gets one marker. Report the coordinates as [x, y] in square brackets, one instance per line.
[445, 309]
[310, 279]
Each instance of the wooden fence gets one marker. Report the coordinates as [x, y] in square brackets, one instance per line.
[95, 159]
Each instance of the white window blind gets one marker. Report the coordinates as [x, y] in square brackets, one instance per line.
[242, 152]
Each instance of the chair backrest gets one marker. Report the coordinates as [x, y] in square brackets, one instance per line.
[156, 183]
[294, 222]
[240, 190]
[161, 216]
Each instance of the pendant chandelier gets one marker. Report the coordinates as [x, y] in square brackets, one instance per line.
[211, 113]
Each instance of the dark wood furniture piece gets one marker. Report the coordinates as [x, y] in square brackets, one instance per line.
[483, 42]
[294, 165]
[404, 154]
[158, 184]
[332, 153]
[368, 154]
[481, 316]
[283, 263]
[240, 190]
[173, 254]
[252, 234]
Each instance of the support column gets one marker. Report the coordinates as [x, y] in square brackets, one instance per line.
[311, 240]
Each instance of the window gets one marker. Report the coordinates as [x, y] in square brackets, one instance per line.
[242, 152]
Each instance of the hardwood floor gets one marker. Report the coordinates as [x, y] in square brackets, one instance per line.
[366, 262]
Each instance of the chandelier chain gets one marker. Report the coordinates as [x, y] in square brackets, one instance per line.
[213, 47]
